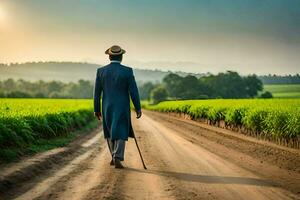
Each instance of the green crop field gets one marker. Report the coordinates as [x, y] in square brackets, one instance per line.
[271, 118]
[25, 122]
[284, 90]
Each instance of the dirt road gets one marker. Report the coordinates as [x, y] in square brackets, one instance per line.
[185, 160]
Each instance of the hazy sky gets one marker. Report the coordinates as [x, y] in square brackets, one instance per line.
[249, 36]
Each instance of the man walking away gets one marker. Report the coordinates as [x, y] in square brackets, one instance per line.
[115, 84]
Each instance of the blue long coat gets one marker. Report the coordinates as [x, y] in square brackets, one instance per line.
[116, 84]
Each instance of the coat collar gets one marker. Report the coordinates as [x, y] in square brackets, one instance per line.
[115, 61]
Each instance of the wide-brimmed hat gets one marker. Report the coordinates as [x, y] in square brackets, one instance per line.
[115, 50]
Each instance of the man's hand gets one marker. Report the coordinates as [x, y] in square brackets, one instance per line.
[98, 115]
[138, 114]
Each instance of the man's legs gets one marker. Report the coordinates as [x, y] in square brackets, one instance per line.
[117, 149]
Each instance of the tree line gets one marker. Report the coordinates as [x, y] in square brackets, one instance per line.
[222, 85]
[277, 79]
[173, 86]
[41, 89]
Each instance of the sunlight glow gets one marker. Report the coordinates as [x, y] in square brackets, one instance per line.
[2, 14]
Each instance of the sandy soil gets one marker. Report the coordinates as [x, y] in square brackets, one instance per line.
[185, 161]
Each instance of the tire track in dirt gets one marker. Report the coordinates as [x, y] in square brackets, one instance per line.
[133, 182]
[49, 181]
[92, 178]
[139, 183]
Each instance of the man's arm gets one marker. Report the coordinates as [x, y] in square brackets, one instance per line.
[134, 94]
[97, 96]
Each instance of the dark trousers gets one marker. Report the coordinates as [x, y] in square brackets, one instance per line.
[116, 148]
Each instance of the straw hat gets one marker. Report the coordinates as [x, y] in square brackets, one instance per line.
[115, 50]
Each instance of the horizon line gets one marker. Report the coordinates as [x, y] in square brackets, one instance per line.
[154, 69]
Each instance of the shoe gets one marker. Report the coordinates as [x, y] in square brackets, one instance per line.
[118, 164]
[112, 162]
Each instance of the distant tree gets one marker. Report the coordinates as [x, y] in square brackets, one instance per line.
[18, 94]
[172, 83]
[277, 79]
[85, 89]
[189, 88]
[39, 95]
[232, 85]
[41, 89]
[204, 91]
[253, 85]
[54, 95]
[159, 94]
[145, 90]
[54, 86]
[266, 95]
[2, 95]
[226, 85]
[9, 85]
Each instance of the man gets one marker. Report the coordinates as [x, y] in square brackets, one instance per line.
[116, 84]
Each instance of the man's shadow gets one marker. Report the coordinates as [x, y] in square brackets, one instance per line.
[206, 178]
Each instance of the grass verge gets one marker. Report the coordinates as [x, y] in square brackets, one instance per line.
[41, 145]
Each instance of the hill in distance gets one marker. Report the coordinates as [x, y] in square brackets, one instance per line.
[74, 71]
[71, 72]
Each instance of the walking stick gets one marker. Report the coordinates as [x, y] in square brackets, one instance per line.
[139, 152]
